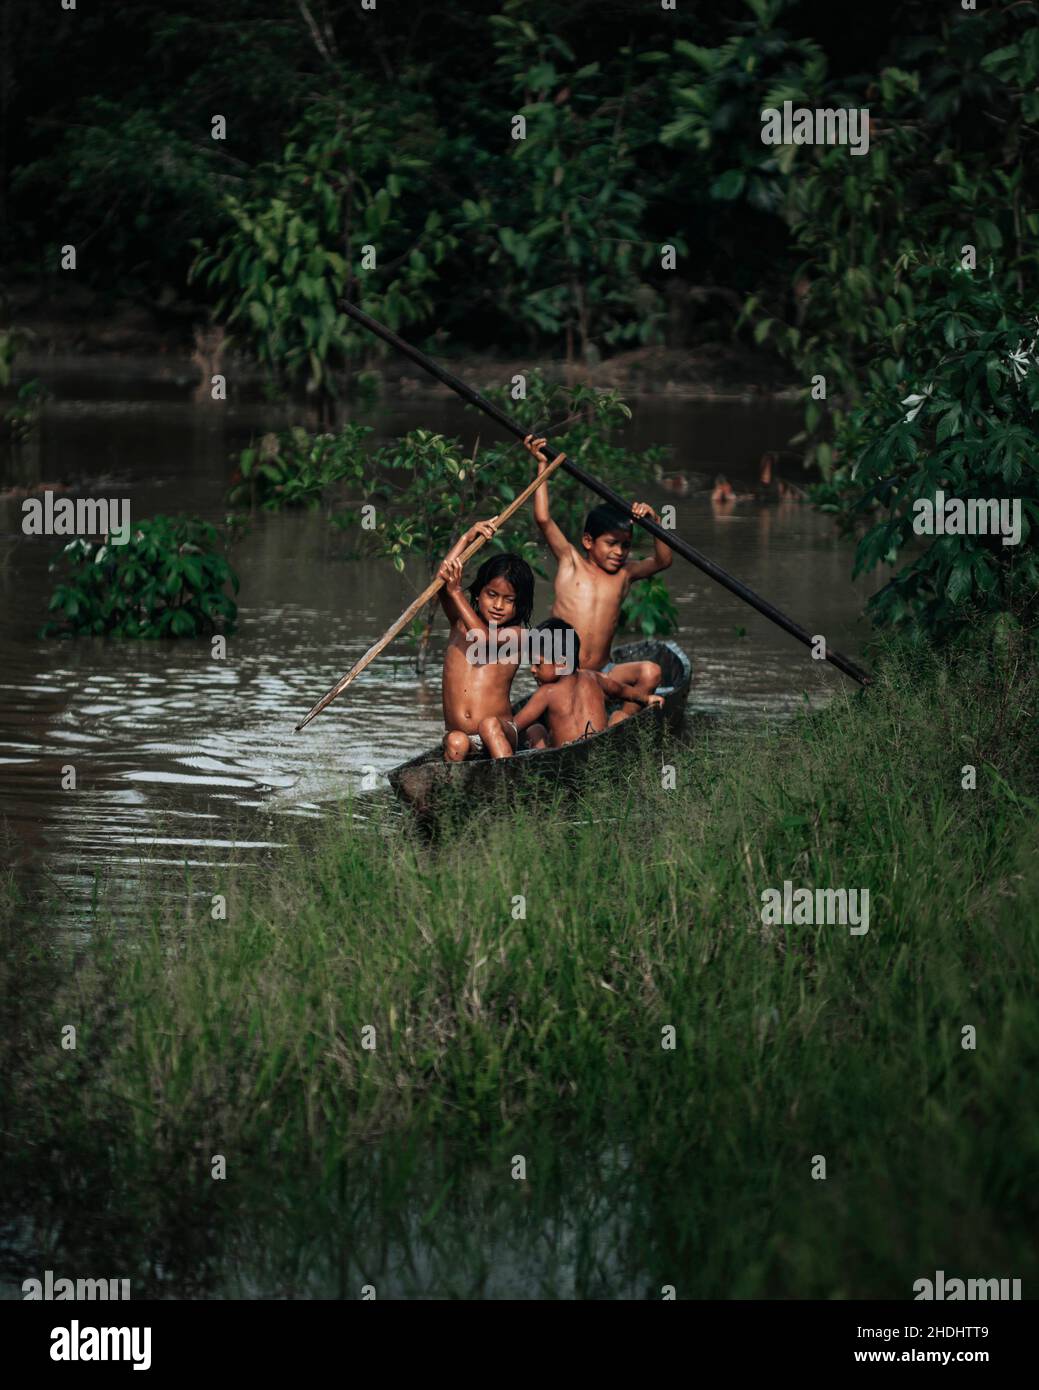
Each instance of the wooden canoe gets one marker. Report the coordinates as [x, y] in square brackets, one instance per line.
[427, 782]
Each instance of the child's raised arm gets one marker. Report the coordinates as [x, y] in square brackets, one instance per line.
[661, 557]
[452, 599]
[557, 542]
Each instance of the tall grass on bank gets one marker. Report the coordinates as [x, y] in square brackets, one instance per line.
[499, 1034]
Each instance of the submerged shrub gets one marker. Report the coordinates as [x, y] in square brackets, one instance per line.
[292, 469]
[168, 580]
[650, 609]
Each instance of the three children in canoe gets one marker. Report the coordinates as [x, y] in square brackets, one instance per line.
[571, 649]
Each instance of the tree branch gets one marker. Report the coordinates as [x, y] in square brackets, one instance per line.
[315, 32]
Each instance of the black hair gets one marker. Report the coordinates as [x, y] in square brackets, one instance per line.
[519, 575]
[558, 625]
[605, 517]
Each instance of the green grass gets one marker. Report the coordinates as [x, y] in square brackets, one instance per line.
[541, 1036]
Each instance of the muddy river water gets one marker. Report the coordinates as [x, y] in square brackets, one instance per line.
[179, 757]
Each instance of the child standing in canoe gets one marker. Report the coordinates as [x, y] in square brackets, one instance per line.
[592, 583]
[570, 703]
[477, 708]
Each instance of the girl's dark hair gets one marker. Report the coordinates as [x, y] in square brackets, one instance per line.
[605, 518]
[519, 575]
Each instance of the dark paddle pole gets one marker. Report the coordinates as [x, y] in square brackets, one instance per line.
[683, 548]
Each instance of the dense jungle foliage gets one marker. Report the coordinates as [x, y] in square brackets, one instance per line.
[260, 160]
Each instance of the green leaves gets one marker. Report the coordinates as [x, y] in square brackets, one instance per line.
[294, 469]
[949, 424]
[929, 190]
[571, 241]
[649, 609]
[426, 490]
[959, 582]
[729, 185]
[965, 434]
[346, 179]
[167, 580]
[952, 330]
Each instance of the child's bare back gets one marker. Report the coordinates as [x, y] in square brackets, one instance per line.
[574, 707]
[570, 704]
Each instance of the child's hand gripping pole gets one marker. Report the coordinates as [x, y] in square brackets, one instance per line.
[427, 593]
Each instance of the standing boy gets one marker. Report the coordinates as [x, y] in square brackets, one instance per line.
[592, 583]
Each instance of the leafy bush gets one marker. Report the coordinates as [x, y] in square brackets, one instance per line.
[298, 237]
[712, 89]
[426, 488]
[294, 468]
[857, 225]
[961, 420]
[583, 422]
[572, 244]
[168, 580]
[130, 173]
[23, 418]
[649, 609]
[11, 342]
[432, 489]
[927, 374]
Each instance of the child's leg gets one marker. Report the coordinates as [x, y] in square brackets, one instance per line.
[536, 736]
[457, 746]
[499, 736]
[644, 675]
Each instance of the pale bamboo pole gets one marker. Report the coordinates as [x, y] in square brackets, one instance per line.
[427, 593]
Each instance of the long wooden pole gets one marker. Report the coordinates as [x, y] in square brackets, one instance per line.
[683, 548]
[423, 598]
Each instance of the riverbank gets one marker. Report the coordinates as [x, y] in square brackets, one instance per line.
[173, 343]
[835, 1113]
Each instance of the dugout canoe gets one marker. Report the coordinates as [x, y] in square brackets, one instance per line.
[427, 780]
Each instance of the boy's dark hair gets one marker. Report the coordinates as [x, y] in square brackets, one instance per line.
[519, 575]
[558, 625]
[606, 517]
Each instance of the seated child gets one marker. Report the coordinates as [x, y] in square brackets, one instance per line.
[477, 709]
[570, 703]
[592, 583]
